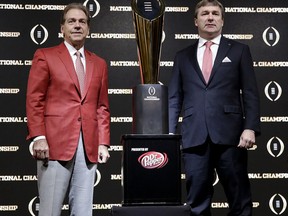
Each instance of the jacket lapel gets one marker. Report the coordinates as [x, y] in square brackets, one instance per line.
[194, 61]
[223, 49]
[89, 72]
[69, 65]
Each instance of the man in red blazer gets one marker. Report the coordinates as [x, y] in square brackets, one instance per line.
[69, 127]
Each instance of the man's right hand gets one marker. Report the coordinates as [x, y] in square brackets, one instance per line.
[41, 149]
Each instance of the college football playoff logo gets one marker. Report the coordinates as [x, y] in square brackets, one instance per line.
[97, 178]
[273, 91]
[39, 34]
[216, 178]
[151, 91]
[33, 206]
[271, 36]
[278, 204]
[93, 7]
[275, 147]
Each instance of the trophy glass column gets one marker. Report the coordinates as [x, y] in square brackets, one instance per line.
[150, 99]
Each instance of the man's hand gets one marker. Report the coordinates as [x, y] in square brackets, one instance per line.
[247, 139]
[41, 149]
[103, 154]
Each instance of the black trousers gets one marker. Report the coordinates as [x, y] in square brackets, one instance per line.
[230, 162]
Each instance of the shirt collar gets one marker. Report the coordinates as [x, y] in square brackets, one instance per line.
[72, 50]
[215, 40]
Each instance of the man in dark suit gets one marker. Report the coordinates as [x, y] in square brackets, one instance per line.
[220, 113]
[68, 117]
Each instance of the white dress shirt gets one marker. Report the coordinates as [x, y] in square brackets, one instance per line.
[72, 52]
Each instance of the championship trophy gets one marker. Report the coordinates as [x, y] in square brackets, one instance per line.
[150, 161]
[150, 99]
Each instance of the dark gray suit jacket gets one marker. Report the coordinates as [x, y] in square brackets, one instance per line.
[217, 109]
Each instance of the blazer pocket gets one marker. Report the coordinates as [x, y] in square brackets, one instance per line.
[51, 115]
[188, 112]
[226, 64]
[232, 109]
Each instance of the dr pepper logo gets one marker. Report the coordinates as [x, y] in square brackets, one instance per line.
[153, 160]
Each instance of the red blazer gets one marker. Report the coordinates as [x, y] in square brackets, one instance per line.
[55, 108]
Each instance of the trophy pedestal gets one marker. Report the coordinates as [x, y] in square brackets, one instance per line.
[151, 170]
[150, 109]
[182, 210]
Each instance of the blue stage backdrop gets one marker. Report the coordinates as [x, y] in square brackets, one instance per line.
[30, 24]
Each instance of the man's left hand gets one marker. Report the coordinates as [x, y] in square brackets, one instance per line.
[247, 139]
[103, 154]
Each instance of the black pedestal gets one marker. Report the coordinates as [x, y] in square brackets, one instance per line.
[151, 211]
[151, 169]
[150, 109]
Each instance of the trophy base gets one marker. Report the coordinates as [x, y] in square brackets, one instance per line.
[150, 109]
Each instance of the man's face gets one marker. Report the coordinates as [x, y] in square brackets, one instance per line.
[75, 28]
[209, 21]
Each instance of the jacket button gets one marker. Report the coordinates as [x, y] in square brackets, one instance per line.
[79, 119]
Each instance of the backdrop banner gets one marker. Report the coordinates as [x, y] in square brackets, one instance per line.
[31, 24]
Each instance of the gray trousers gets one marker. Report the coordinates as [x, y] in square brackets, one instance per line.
[75, 178]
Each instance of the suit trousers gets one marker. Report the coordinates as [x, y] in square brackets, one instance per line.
[230, 162]
[76, 175]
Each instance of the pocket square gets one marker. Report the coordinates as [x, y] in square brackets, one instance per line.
[226, 59]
